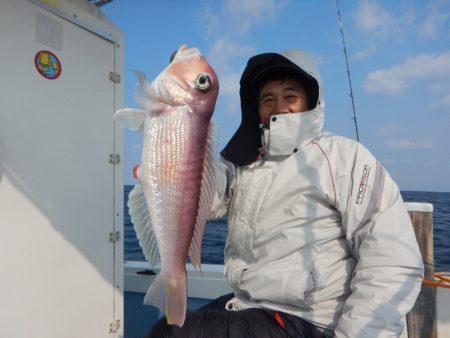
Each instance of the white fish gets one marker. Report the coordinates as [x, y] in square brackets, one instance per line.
[176, 172]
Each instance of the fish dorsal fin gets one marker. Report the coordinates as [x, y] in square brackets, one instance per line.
[143, 92]
[140, 217]
[131, 118]
[205, 202]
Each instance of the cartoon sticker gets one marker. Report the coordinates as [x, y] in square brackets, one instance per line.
[47, 64]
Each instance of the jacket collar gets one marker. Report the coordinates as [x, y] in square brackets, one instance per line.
[289, 133]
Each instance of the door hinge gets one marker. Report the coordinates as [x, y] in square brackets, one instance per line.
[114, 236]
[114, 158]
[114, 77]
[114, 326]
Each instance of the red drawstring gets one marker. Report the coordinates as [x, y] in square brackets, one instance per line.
[279, 320]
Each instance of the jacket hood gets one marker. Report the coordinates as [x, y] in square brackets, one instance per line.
[244, 147]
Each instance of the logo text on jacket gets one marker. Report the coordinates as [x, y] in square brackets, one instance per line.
[363, 184]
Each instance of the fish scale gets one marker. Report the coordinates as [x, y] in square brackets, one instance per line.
[163, 167]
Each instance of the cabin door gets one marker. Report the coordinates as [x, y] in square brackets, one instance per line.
[60, 191]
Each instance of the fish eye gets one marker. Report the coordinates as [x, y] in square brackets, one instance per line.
[203, 81]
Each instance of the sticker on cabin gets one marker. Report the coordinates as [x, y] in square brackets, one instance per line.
[47, 64]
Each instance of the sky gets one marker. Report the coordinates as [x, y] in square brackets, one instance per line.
[398, 54]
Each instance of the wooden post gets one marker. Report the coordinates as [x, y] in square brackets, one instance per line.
[421, 320]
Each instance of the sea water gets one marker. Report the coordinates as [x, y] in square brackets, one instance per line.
[216, 230]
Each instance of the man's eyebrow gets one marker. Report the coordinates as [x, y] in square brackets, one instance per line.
[263, 96]
[285, 89]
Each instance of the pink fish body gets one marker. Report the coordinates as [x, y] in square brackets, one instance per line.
[176, 173]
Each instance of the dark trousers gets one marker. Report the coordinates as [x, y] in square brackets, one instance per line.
[213, 321]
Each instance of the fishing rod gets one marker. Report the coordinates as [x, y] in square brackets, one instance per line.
[341, 29]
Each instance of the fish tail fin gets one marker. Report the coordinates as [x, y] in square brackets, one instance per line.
[170, 296]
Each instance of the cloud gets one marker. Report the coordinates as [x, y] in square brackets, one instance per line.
[400, 20]
[391, 129]
[221, 54]
[437, 15]
[247, 13]
[229, 92]
[372, 18]
[227, 25]
[394, 161]
[209, 21]
[224, 49]
[395, 79]
[238, 17]
[440, 87]
[365, 53]
[442, 104]
[409, 144]
[378, 21]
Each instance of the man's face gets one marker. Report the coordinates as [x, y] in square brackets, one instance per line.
[281, 97]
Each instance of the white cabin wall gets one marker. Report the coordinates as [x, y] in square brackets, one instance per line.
[59, 195]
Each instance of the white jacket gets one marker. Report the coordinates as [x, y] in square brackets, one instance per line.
[318, 229]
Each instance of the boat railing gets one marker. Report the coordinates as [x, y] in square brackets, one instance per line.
[423, 321]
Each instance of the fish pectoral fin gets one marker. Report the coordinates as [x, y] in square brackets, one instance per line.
[140, 217]
[131, 118]
[207, 192]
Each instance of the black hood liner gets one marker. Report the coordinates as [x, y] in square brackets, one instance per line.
[243, 148]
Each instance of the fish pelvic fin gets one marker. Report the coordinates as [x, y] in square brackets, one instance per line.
[140, 217]
[207, 192]
[169, 294]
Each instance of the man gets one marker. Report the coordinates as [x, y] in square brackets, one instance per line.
[319, 242]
